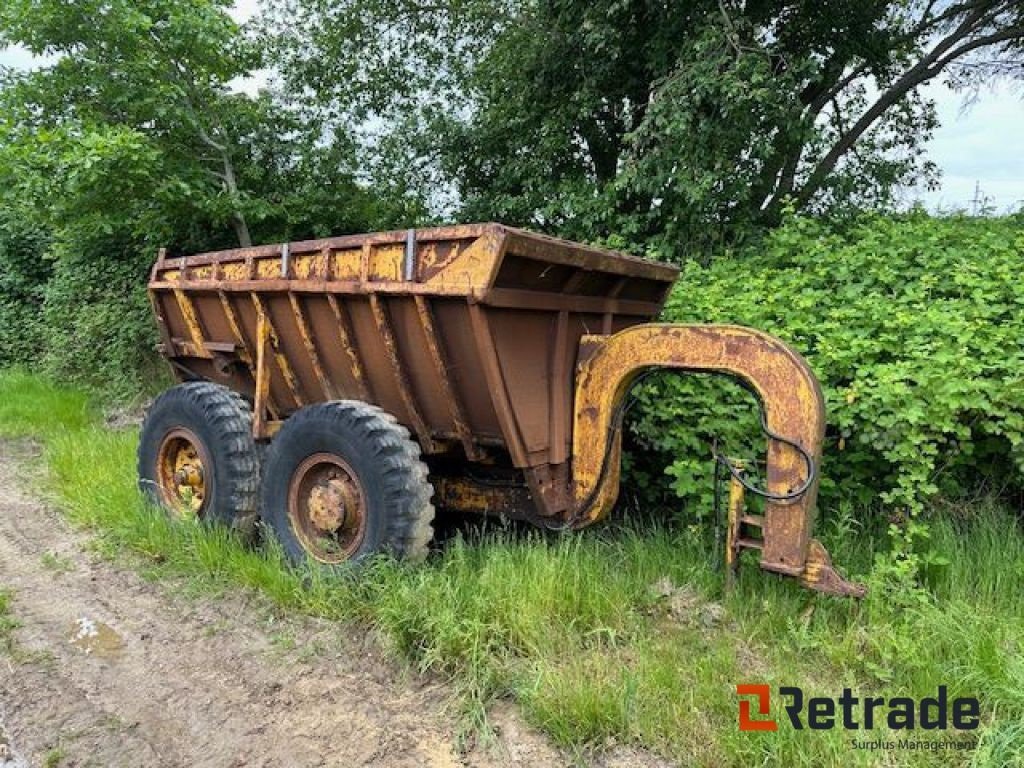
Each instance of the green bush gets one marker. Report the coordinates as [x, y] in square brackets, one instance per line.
[99, 326]
[914, 326]
[73, 301]
[24, 270]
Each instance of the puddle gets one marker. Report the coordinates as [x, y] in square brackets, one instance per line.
[95, 637]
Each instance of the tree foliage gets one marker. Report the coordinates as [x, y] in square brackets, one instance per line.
[158, 68]
[131, 136]
[163, 71]
[672, 125]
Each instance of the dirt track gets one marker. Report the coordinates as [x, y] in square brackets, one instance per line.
[203, 682]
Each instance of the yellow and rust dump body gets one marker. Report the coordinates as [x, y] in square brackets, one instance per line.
[507, 355]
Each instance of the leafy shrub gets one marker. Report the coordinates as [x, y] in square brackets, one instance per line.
[914, 326]
[24, 270]
[106, 211]
[99, 327]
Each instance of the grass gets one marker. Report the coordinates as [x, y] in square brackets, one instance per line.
[54, 562]
[10, 649]
[7, 624]
[605, 637]
[54, 757]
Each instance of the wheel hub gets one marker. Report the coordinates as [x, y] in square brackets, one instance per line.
[190, 473]
[181, 472]
[326, 508]
[331, 500]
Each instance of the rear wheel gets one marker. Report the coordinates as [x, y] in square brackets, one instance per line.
[197, 457]
[343, 480]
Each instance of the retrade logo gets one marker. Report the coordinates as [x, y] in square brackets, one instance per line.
[763, 708]
[855, 713]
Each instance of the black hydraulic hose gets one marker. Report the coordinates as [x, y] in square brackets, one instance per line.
[738, 475]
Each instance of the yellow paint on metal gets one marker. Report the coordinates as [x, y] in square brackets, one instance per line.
[821, 576]
[386, 263]
[309, 266]
[789, 394]
[737, 503]
[343, 324]
[471, 267]
[236, 328]
[309, 342]
[460, 494]
[268, 268]
[430, 259]
[181, 473]
[201, 273]
[234, 271]
[290, 379]
[195, 330]
[346, 264]
[262, 395]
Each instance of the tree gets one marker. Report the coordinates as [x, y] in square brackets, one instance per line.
[163, 70]
[661, 123]
[128, 138]
[158, 67]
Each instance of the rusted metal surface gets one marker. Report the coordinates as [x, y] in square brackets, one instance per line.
[820, 575]
[551, 489]
[327, 508]
[181, 467]
[269, 339]
[309, 342]
[398, 369]
[448, 328]
[496, 347]
[261, 397]
[497, 384]
[441, 365]
[734, 526]
[361, 390]
[789, 395]
[195, 330]
[464, 495]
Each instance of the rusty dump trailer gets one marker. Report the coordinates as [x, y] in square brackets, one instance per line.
[339, 388]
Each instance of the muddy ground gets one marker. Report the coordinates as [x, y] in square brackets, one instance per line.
[113, 670]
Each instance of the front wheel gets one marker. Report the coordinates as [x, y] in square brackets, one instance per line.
[343, 480]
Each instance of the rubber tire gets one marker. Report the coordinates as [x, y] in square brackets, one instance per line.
[222, 420]
[386, 463]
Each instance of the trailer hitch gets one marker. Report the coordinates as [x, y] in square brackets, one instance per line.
[819, 574]
[793, 414]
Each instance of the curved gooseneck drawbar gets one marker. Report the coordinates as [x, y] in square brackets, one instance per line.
[794, 418]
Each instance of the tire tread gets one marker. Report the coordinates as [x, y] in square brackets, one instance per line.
[407, 492]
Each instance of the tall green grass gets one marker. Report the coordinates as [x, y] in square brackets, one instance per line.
[618, 635]
[31, 406]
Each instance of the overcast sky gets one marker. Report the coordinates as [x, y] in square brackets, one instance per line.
[978, 146]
